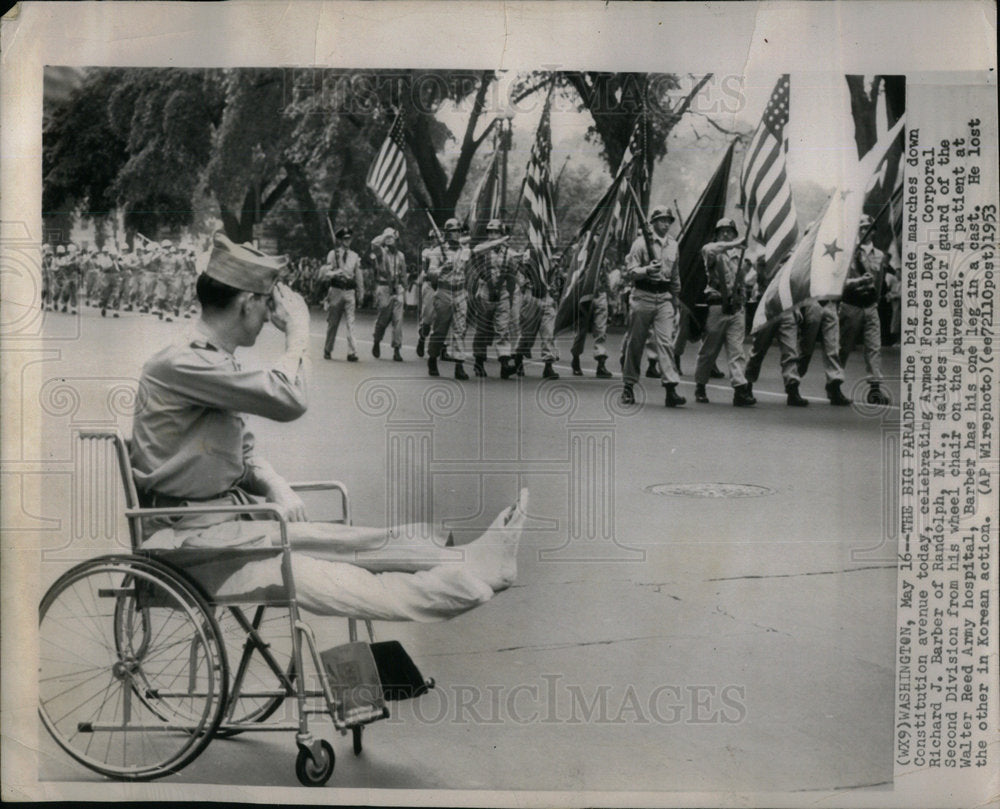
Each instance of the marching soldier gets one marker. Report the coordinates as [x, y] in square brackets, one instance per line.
[136, 278]
[450, 302]
[343, 273]
[786, 329]
[68, 273]
[859, 309]
[494, 290]
[48, 275]
[390, 285]
[653, 305]
[430, 260]
[724, 292]
[538, 318]
[819, 320]
[597, 324]
[110, 281]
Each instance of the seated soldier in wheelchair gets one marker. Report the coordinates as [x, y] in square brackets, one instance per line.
[190, 446]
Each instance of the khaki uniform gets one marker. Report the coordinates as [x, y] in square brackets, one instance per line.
[726, 321]
[862, 321]
[450, 305]
[495, 293]
[191, 446]
[652, 308]
[346, 285]
[390, 284]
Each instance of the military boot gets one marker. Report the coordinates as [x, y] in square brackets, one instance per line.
[518, 365]
[421, 340]
[834, 394]
[876, 396]
[577, 370]
[506, 368]
[742, 397]
[794, 397]
[460, 371]
[653, 369]
[673, 398]
[479, 367]
[628, 395]
[432, 367]
[396, 356]
[700, 394]
[549, 372]
[602, 372]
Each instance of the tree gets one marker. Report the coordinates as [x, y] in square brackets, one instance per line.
[81, 152]
[864, 106]
[864, 111]
[169, 115]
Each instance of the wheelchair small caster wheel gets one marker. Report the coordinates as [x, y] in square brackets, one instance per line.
[313, 773]
[356, 734]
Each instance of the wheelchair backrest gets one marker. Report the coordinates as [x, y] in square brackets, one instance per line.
[98, 445]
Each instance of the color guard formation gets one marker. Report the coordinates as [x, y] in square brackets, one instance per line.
[491, 295]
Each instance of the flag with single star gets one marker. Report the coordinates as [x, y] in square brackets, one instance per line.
[765, 192]
[817, 267]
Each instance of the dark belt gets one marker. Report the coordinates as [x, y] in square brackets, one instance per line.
[343, 284]
[451, 286]
[651, 286]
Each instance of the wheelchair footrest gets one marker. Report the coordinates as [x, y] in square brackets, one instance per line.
[354, 683]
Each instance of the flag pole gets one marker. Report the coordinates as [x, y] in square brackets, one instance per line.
[881, 212]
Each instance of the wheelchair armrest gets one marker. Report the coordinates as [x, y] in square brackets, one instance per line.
[326, 485]
[269, 509]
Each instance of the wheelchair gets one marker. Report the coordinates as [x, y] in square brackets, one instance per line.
[140, 668]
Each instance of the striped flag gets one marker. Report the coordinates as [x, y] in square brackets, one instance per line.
[766, 195]
[387, 174]
[542, 228]
[624, 217]
[818, 266]
[584, 257]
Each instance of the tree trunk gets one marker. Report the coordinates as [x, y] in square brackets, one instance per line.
[312, 223]
[444, 193]
[864, 111]
[864, 105]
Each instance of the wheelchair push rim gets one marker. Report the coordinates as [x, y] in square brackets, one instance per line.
[133, 677]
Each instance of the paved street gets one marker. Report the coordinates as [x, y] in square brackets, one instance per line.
[654, 641]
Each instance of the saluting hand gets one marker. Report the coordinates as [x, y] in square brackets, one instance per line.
[289, 312]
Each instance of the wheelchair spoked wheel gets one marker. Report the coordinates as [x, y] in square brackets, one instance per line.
[261, 664]
[133, 677]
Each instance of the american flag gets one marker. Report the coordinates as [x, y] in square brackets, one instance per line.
[387, 174]
[542, 229]
[818, 266]
[766, 195]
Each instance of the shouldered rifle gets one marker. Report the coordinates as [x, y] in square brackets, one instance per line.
[647, 232]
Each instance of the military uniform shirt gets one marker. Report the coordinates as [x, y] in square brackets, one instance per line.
[189, 435]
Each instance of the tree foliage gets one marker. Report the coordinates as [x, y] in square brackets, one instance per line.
[290, 149]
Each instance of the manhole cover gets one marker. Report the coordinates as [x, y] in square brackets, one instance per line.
[709, 490]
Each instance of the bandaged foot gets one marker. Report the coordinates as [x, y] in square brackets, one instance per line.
[492, 557]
